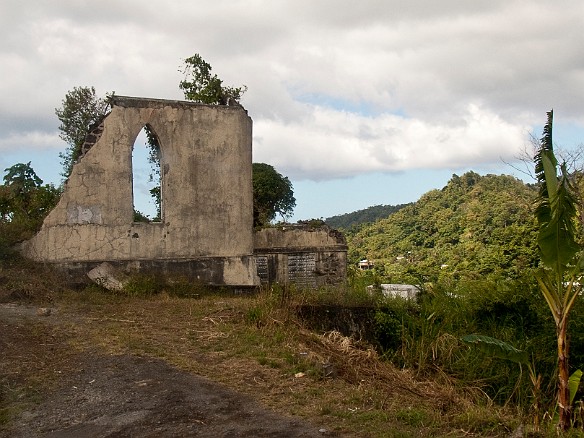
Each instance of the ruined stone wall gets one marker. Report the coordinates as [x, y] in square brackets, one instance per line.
[206, 188]
[300, 254]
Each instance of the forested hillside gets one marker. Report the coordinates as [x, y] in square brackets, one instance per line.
[349, 220]
[475, 227]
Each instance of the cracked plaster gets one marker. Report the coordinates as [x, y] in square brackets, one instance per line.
[207, 221]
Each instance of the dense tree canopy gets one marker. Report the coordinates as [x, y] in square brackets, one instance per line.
[24, 201]
[273, 194]
[475, 227]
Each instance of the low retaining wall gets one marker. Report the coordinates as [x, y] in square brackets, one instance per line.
[301, 254]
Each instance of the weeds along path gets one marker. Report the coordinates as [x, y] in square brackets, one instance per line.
[94, 364]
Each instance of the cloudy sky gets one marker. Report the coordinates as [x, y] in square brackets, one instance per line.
[358, 103]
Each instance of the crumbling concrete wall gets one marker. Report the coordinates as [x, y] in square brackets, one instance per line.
[301, 254]
[206, 229]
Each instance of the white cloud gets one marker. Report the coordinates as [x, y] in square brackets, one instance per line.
[336, 88]
[334, 144]
[31, 140]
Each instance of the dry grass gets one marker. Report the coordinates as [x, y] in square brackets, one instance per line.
[255, 345]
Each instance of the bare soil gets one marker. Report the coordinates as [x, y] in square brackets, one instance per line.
[94, 394]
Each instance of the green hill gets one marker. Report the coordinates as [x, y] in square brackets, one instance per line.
[475, 227]
[371, 214]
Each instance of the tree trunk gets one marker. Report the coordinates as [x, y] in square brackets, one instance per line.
[563, 377]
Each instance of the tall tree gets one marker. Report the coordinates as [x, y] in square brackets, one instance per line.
[80, 110]
[562, 265]
[199, 85]
[273, 194]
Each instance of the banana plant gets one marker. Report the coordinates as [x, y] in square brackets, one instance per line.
[503, 350]
[561, 267]
[497, 348]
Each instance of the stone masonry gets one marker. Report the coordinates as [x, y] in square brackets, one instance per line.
[301, 254]
[206, 229]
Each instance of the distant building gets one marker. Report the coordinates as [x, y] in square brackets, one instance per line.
[365, 265]
[406, 291]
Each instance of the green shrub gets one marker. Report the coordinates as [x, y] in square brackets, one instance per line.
[143, 285]
[425, 336]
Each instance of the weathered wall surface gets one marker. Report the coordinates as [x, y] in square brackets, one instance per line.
[206, 191]
[303, 255]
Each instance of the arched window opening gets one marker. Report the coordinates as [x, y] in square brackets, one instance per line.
[146, 177]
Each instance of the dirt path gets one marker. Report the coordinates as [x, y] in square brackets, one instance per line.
[127, 396]
[133, 396]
